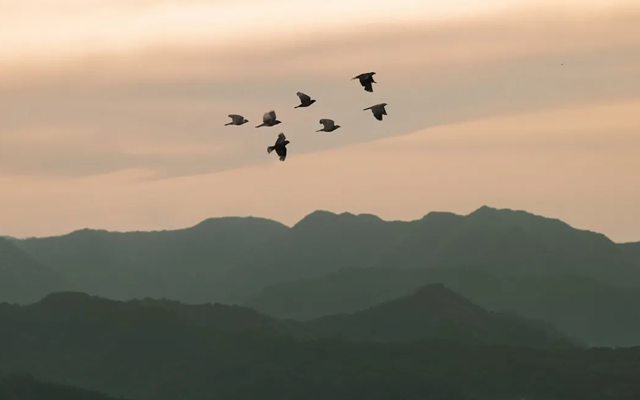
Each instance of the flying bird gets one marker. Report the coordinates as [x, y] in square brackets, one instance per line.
[366, 80]
[377, 110]
[329, 125]
[269, 119]
[236, 120]
[280, 147]
[305, 101]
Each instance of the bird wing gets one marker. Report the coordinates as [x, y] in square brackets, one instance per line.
[303, 97]
[269, 116]
[378, 114]
[368, 85]
[236, 117]
[328, 123]
[281, 139]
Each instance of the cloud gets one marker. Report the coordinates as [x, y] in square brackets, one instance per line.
[94, 115]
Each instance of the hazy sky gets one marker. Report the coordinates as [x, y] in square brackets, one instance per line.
[112, 112]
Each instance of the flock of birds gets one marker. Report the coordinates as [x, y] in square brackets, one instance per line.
[329, 125]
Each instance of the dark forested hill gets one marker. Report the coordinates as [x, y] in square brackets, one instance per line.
[26, 387]
[22, 279]
[592, 311]
[162, 350]
[434, 311]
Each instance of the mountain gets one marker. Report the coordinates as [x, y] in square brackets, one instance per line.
[26, 387]
[631, 251]
[162, 350]
[231, 259]
[234, 260]
[188, 264]
[433, 311]
[594, 312]
[23, 279]
[80, 309]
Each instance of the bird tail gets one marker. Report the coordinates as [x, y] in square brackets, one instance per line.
[368, 108]
[319, 130]
[230, 123]
[270, 149]
[296, 107]
[260, 125]
[282, 158]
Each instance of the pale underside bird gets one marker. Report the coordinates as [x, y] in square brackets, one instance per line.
[280, 147]
[329, 125]
[366, 80]
[236, 120]
[305, 101]
[378, 110]
[269, 119]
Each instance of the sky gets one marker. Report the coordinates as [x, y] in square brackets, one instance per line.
[112, 112]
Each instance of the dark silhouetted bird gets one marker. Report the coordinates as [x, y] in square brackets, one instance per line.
[305, 101]
[377, 110]
[280, 147]
[236, 120]
[329, 125]
[366, 80]
[269, 119]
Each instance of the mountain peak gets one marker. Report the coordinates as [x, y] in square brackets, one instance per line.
[225, 222]
[435, 297]
[322, 218]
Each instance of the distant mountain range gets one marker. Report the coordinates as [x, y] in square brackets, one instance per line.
[425, 343]
[432, 312]
[23, 279]
[503, 260]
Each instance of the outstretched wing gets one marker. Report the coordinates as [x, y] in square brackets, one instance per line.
[303, 97]
[363, 76]
[377, 113]
[269, 117]
[236, 118]
[368, 85]
[281, 139]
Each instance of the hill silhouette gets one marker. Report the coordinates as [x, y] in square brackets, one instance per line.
[434, 311]
[26, 387]
[22, 279]
[595, 313]
[162, 350]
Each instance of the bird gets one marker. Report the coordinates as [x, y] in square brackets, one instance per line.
[236, 120]
[366, 80]
[329, 125]
[269, 119]
[305, 101]
[280, 147]
[377, 110]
